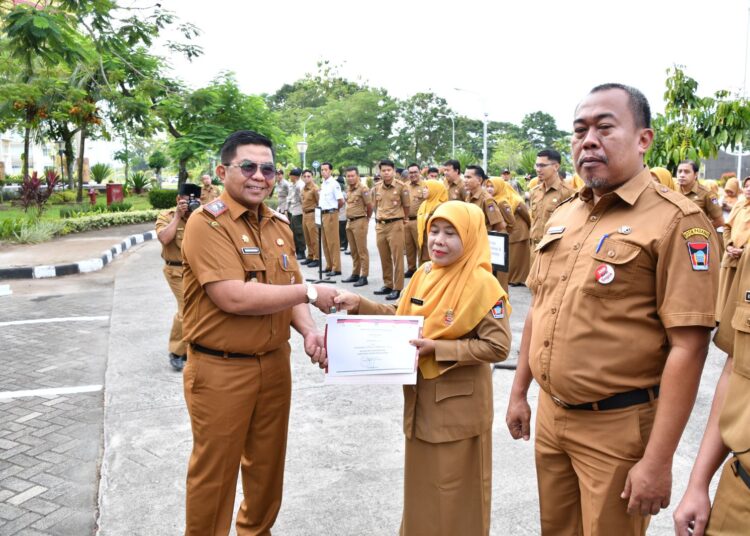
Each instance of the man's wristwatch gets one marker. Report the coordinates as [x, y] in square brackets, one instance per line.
[312, 294]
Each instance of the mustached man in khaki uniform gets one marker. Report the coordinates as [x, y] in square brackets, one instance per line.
[310, 197]
[453, 181]
[615, 337]
[243, 292]
[727, 430]
[209, 192]
[358, 213]
[170, 230]
[391, 215]
[549, 192]
[411, 236]
[707, 201]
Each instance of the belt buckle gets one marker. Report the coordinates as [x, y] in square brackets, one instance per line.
[559, 402]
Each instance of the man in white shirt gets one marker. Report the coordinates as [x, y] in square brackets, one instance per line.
[331, 200]
[294, 212]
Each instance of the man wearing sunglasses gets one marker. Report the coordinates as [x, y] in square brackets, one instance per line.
[243, 292]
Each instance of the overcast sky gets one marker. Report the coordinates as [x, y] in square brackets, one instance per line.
[515, 57]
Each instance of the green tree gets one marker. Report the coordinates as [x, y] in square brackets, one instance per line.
[507, 153]
[424, 132]
[158, 161]
[540, 130]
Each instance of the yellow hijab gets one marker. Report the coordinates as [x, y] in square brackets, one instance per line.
[664, 177]
[456, 297]
[504, 192]
[436, 194]
[576, 182]
[739, 223]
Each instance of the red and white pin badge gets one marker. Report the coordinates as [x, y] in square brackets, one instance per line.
[604, 274]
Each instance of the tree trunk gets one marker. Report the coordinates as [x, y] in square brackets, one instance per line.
[26, 144]
[81, 148]
[183, 174]
[69, 158]
[158, 178]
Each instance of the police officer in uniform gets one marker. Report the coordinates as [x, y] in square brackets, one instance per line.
[549, 192]
[208, 192]
[391, 215]
[416, 198]
[170, 230]
[243, 292]
[614, 337]
[453, 181]
[358, 213]
[310, 197]
[707, 201]
[282, 192]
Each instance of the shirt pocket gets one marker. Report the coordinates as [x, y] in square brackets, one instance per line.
[287, 271]
[545, 252]
[741, 322]
[255, 267]
[452, 388]
[612, 270]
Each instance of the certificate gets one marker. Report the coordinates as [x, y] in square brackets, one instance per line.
[372, 349]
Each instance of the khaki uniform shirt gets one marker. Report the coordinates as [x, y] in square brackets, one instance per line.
[171, 252]
[609, 280]
[416, 197]
[706, 200]
[456, 191]
[226, 241]
[492, 214]
[209, 193]
[310, 197]
[543, 202]
[734, 332]
[358, 197]
[391, 200]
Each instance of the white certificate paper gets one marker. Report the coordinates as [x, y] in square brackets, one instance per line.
[372, 349]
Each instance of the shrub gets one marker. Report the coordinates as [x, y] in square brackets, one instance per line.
[61, 197]
[162, 199]
[9, 227]
[76, 211]
[138, 182]
[119, 207]
[32, 193]
[100, 221]
[35, 232]
[101, 172]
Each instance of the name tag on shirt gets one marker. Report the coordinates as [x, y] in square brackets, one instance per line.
[417, 301]
[559, 229]
[251, 251]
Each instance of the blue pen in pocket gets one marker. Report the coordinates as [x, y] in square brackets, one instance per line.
[285, 261]
[601, 242]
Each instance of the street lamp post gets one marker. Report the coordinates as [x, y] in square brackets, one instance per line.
[484, 126]
[302, 148]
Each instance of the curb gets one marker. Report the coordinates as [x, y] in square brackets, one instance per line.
[80, 267]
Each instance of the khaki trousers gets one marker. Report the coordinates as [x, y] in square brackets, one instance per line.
[502, 278]
[310, 231]
[331, 242]
[582, 461]
[411, 244]
[173, 275]
[448, 487]
[239, 414]
[356, 234]
[730, 514]
[390, 240]
[520, 261]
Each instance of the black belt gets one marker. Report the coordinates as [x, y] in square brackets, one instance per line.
[329, 210]
[391, 220]
[618, 401]
[412, 218]
[741, 472]
[173, 263]
[309, 211]
[219, 353]
[355, 218]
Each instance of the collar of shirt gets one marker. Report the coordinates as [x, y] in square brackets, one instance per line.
[236, 210]
[557, 184]
[629, 191]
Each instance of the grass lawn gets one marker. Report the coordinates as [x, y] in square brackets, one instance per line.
[52, 212]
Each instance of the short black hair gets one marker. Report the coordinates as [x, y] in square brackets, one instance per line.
[550, 154]
[243, 137]
[412, 165]
[352, 168]
[455, 164]
[638, 102]
[308, 171]
[745, 180]
[386, 162]
[562, 173]
[478, 170]
[330, 166]
[433, 170]
[692, 164]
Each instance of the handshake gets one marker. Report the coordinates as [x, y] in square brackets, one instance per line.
[330, 300]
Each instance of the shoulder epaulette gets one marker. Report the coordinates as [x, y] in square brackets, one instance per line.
[216, 208]
[677, 199]
[280, 216]
[568, 199]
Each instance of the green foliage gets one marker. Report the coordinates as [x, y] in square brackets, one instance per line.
[466, 158]
[162, 199]
[79, 211]
[9, 228]
[101, 221]
[34, 232]
[101, 172]
[158, 161]
[32, 193]
[122, 206]
[138, 181]
[540, 129]
[507, 153]
[59, 198]
[527, 161]
[426, 133]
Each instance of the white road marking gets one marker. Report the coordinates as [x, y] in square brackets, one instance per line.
[54, 391]
[51, 320]
[28, 417]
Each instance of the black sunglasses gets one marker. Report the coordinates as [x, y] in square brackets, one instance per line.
[249, 169]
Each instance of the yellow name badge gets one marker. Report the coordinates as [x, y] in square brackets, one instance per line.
[696, 231]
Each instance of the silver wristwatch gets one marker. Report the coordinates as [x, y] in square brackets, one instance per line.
[312, 294]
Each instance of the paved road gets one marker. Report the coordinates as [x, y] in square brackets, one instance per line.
[114, 460]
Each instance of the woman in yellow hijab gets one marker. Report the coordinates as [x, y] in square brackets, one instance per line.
[736, 235]
[519, 232]
[435, 195]
[663, 176]
[448, 415]
[731, 195]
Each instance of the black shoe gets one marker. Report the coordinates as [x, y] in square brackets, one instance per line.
[351, 279]
[393, 295]
[516, 284]
[347, 253]
[304, 262]
[343, 248]
[383, 290]
[409, 273]
[361, 283]
[331, 273]
[177, 361]
[300, 257]
[313, 264]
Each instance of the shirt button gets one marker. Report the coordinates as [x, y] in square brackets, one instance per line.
[544, 377]
[553, 310]
[546, 344]
[610, 253]
[576, 246]
[563, 277]
[594, 218]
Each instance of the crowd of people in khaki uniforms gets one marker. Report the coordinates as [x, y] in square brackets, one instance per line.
[615, 336]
